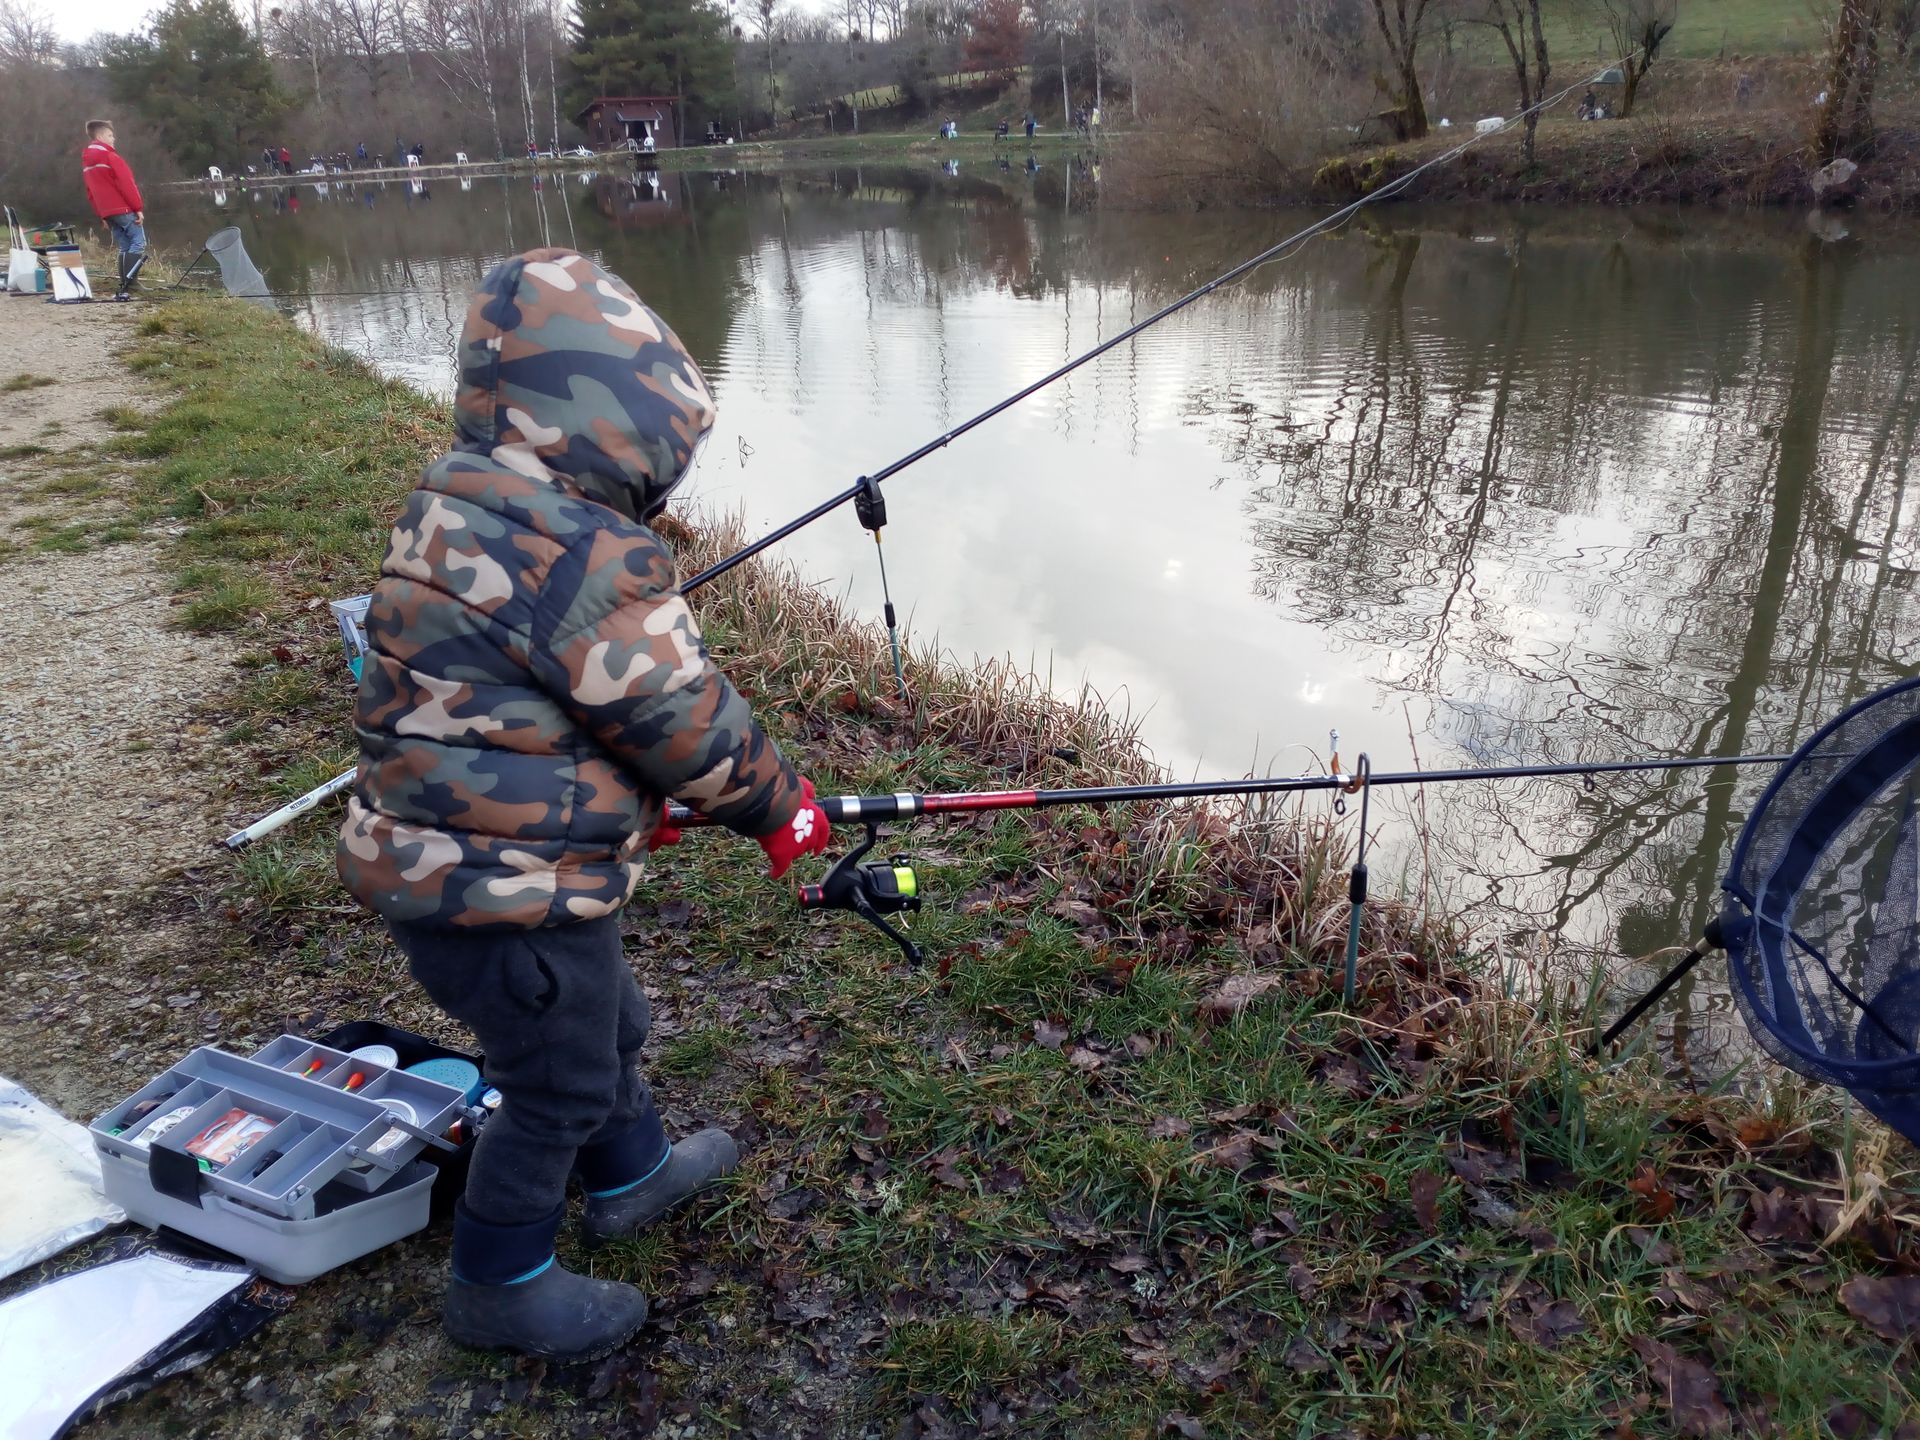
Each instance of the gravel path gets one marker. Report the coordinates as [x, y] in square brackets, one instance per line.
[99, 741]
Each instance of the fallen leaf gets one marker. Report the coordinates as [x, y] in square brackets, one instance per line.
[1304, 1357]
[1005, 1179]
[1140, 1046]
[1168, 1127]
[1305, 1284]
[1653, 1249]
[1677, 1288]
[1547, 1322]
[1656, 1200]
[1235, 993]
[1132, 1263]
[1887, 1305]
[1848, 1422]
[1180, 1424]
[1757, 1130]
[1346, 1076]
[792, 1204]
[1153, 1359]
[1048, 1036]
[1082, 1058]
[1234, 1153]
[1686, 1387]
[1425, 1187]
[942, 1166]
[701, 1280]
[1777, 1217]
[1075, 912]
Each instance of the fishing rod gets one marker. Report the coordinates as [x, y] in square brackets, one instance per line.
[873, 890]
[845, 808]
[868, 485]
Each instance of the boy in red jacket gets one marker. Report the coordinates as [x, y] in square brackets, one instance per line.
[116, 200]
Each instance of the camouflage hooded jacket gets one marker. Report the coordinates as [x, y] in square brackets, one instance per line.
[536, 683]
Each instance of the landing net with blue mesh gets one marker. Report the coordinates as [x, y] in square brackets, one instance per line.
[1822, 920]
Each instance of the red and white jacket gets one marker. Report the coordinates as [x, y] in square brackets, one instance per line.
[109, 181]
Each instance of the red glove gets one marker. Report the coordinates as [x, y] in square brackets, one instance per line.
[806, 834]
[664, 834]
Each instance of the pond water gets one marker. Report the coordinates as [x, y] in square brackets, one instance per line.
[1470, 487]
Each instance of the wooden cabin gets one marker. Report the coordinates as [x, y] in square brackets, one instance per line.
[612, 120]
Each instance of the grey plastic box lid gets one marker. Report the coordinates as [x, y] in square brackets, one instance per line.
[322, 1133]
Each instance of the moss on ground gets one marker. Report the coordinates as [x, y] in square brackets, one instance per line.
[1061, 1180]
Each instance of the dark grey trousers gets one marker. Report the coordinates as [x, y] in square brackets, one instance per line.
[560, 1021]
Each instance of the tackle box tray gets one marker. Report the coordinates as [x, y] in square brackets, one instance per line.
[320, 1120]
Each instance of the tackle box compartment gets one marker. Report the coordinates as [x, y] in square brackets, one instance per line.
[412, 1048]
[319, 1166]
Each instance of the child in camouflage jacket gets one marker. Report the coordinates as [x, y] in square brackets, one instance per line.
[535, 691]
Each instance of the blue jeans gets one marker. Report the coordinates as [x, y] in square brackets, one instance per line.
[127, 233]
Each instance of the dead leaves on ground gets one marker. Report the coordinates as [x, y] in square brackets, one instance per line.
[1536, 1316]
[1887, 1305]
[1685, 1388]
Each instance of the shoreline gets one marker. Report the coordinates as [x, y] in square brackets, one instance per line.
[1115, 1154]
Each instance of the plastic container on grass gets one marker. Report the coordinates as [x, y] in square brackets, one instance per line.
[320, 1178]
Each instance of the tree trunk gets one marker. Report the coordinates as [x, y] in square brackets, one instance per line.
[1096, 54]
[406, 51]
[1413, 103]
[553, 77]
[1633, 70]
[1133, 62]
[1845, 122]
[526, 86]
[1066, 111]
[1542, 68]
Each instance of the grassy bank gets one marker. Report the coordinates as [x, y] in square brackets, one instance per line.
[1115, 1162]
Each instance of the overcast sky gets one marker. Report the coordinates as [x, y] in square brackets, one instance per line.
[81, 19]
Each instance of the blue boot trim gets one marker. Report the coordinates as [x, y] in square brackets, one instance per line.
[488, 1254]
[610, 1166]
[537, 1270]
[622, 1189]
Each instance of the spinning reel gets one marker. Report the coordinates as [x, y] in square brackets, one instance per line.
[870, 889]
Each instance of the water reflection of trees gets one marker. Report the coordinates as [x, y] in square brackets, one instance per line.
[1595, 511]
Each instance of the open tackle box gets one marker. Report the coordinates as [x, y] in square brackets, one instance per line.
[298, 1158]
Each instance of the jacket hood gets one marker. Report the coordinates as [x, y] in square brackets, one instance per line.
[566, 376]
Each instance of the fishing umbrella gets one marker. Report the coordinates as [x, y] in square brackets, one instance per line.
[1822, 918]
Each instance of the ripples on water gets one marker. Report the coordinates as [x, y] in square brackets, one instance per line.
[1491, 487]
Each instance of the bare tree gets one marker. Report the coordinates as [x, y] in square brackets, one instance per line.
[1518, 24]
[1402, 24]
[767, 16]
[1637, 28]
[26, 35]
[368, 25]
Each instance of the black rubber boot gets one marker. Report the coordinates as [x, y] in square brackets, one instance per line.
[497, 1300]
[556, 1315]
[688, 1168]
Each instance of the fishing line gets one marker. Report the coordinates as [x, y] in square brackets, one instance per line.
[1278, 251]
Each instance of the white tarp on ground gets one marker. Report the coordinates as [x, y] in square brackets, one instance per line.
[50, 1194]
[63, 1342]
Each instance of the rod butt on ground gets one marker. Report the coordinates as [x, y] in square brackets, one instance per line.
[1703, 947]
[267, 824]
